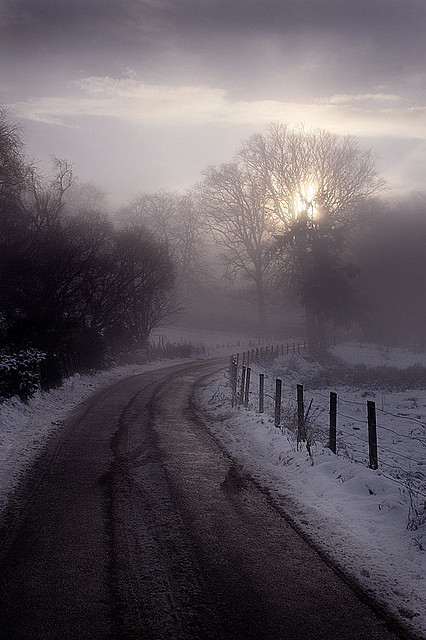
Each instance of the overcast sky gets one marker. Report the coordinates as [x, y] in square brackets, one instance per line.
[142, 95]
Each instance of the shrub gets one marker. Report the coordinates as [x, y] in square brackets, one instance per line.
[19, 373]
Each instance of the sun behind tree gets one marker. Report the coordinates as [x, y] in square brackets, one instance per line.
[299, 194]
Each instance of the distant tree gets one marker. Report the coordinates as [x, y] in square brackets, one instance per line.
[69, 280]
[141, 283]
[85, 198]
[173, 219]
[13, 167]
[14, 181]
[234, 203]
[318, 187]
[316, 173]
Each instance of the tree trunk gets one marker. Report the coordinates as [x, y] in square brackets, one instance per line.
[261, 304]
[315, 331]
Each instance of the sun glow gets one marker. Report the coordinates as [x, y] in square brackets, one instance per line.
[305, 201]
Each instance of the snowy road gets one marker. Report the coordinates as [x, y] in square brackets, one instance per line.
[138, 525]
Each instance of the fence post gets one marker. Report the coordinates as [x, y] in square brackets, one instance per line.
[301, 435]
[247, 389]
[243, 383]
[233, 376]
[261, 392]
[278, 387]
[372, 434]
[333, 421]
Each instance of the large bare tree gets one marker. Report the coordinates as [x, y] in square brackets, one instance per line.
[302, 192]
[317, 174]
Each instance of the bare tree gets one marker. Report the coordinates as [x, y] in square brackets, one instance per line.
[69, 281]
[235, 205]
[317, 174]
[157, 212]
[138, 290]
[318, 185]
[85, 198]
[173, 218]
[13, 168]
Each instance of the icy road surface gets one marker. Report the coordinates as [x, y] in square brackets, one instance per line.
[136, 524]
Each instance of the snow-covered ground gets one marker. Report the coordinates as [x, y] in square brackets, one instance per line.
[360, 517]
[25, 428]
[372, 523]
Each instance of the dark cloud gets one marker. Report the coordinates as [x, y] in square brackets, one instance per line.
[296, 51]
[269, 48]
[382, 20]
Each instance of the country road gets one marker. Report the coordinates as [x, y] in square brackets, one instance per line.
[135, 524]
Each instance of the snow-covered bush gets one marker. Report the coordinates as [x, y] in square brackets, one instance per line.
[19, 373]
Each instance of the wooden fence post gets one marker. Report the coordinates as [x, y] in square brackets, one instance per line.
[278, 388]
[333, 421]
[243, 383]
[301, 432]
[372, 434]
[261, 392]
[247, 389]
[233, 378]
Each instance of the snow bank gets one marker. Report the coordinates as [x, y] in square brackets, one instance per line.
[358, 516]
[372, 523]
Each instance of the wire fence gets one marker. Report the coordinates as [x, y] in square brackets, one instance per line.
[361, 431]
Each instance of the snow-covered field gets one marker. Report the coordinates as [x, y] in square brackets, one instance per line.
[371, 522]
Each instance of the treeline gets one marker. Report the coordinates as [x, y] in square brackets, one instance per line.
[295, 215]
[72, 284]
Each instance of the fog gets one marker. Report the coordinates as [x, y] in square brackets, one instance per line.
[392, 262]
[157, 112]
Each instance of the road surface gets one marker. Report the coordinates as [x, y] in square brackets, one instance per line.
[135, 524]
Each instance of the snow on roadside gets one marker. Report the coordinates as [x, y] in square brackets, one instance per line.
[356, 515]
[26, 428]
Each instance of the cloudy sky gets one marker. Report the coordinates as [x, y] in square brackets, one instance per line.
[142, 95]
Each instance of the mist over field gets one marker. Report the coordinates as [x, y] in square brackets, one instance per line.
[192, 186]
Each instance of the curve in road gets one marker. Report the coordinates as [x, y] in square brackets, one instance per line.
[136, 524]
